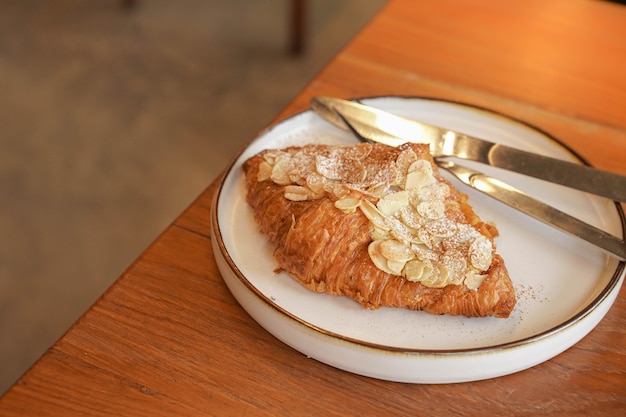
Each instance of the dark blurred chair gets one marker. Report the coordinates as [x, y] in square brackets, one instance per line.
[298, 26]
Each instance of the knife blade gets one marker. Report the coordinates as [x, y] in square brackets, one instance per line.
[380, 126]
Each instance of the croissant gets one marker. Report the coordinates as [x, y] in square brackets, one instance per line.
[379, 225]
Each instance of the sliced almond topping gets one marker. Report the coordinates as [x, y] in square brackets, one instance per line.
[377, 258]
[337, 189]
[374, 215]
[452, 268]
[329, 167]
[424, 253]
[431, 209]
[420, 174]
[280, 171]
[265, 171]
[380, 234]
[473, 280]
[358, 152]
[411, 218]
[400, 231]
[356, 173]
[392, 203]
[270, 157]
[403, 162]
[396, 251]
[297, 193]
[436, 191]
[434, 279]
[316, 182]
[378, 174]
[416, 271]
[378, 190]
[395, 267]
[481, 253]
[348, 204]
[442, 228]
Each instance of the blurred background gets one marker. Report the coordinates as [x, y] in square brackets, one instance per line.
[113, 119]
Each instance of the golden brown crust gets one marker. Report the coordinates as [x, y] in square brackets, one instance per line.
[327, 251]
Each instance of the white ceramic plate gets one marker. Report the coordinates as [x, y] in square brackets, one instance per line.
[564, 285]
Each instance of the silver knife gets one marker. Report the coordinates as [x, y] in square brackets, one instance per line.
[483, 183]
[391, 129]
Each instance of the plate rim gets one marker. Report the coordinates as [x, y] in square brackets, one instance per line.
[588, 309]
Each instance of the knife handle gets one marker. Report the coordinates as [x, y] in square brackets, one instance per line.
[580, 177]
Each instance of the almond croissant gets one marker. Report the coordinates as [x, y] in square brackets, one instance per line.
[379, 225]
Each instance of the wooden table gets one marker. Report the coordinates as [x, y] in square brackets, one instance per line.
[168, 338]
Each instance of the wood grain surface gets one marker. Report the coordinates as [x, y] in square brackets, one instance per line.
[168, 338]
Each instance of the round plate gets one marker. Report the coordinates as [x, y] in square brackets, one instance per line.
[564, 285]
